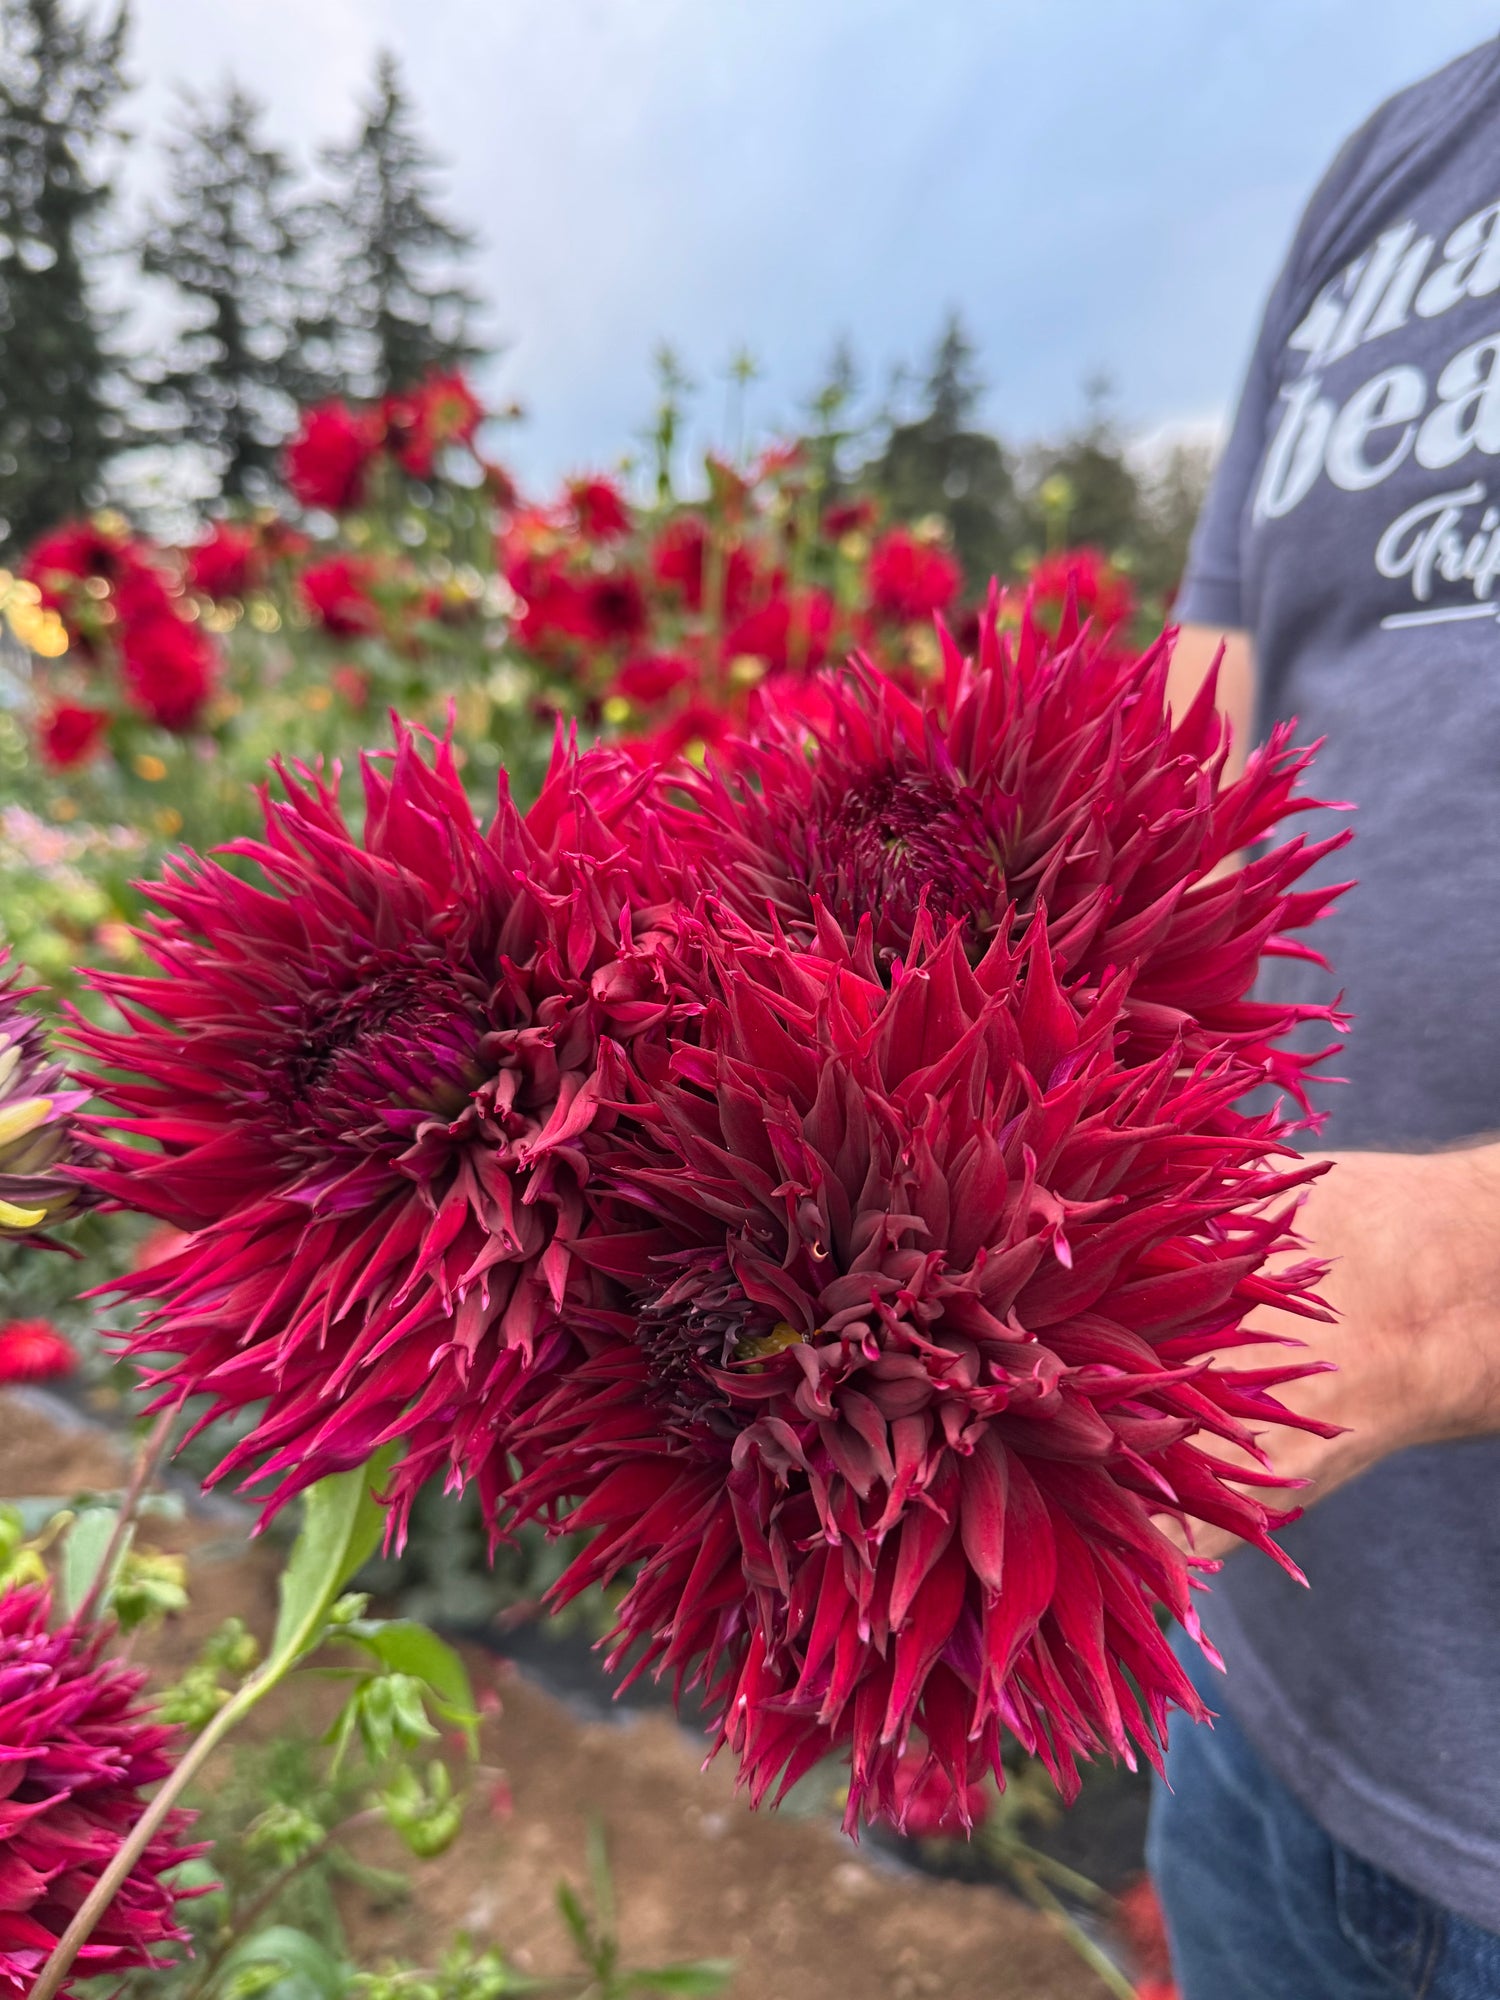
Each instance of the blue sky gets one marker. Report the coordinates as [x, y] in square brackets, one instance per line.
[1093, 185]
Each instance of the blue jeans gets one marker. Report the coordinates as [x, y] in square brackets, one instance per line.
[1262, 1905]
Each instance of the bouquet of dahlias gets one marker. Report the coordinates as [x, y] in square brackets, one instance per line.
[822, 1180]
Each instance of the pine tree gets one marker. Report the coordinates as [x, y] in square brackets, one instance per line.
[229, 236]
[400, 308]
[1101, 501]
[940, 463]
[59, 81]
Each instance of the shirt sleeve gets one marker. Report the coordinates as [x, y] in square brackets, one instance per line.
[1211, 591]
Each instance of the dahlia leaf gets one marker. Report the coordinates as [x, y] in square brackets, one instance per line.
[404, 1647]
[342, 1525]
[84, 1550]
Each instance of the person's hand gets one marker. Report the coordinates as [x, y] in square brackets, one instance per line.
[1413, 1241]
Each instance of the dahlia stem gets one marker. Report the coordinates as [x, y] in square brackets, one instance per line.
[1093, 1956]
[340, 1529]
[104, 1891]
[147, 1460]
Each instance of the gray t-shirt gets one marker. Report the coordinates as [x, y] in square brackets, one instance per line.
[1354, 531]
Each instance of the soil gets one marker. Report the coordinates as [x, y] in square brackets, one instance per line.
[805, 1914]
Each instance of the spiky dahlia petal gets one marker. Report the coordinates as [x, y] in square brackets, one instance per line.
[923, 1293]
[364, 1086]
[77, 1758]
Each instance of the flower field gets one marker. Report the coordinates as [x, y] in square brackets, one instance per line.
[661, 1059]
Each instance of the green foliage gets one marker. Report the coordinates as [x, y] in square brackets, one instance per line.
[939, 463]
[60, 78]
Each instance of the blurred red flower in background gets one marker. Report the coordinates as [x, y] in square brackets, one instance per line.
[168, 667]
[32, 1350]
[228, 562]
[600, 511]
[68, 734]
[1101, 591]
[441, 410]
[911, 579]
[327, 460]
[337, 593]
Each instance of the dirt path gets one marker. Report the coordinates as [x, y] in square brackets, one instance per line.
[806, 1915]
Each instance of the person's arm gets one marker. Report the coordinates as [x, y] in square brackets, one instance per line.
[1195, 651]
[1413, 1240]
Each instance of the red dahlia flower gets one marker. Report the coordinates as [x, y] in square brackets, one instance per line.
[81, 553]
[911, 580]
[1049, 773]
[228, 562]
[599, 509]
[169, 669]
[924, 1298]
[616, 607]
[32, 1350]
[69, 735]
[441, 410]
[337, 593]
[653, 677]
[1098, 589]
[366, 1090]
[327, 460]
[926, 1805]
[680, 563]
[79, 1757]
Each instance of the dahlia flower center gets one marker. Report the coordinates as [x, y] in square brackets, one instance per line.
[905, 832]
[392, 1052]
[694, 1333]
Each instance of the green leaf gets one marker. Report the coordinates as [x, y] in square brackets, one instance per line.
[341, 1529]
[404, 1647]
[84, 1548]
[299, 1968]
[576, 1919]
[704, 1976]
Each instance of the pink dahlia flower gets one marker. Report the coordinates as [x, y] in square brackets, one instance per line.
[924, 1290]
[365, 1087]
[77, 1756]
[1046, 774]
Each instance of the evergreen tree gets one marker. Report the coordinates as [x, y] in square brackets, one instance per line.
[228, 237]
[59, 81]
[940, 463]
[400, 308]
[1081, 491]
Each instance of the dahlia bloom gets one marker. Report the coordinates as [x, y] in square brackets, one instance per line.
[1046, 774]
[1097, 588]
[650, 678]
[923, 1291]
[441, 410]
[337, 593]
[228, 562]
[39, 1150]
[911, 580]
[69, 735]
[599, 509]
[32, 1350]
[169, 668]
[79, 1756]
[66, 562]
[326, 462]
[365, 1089]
